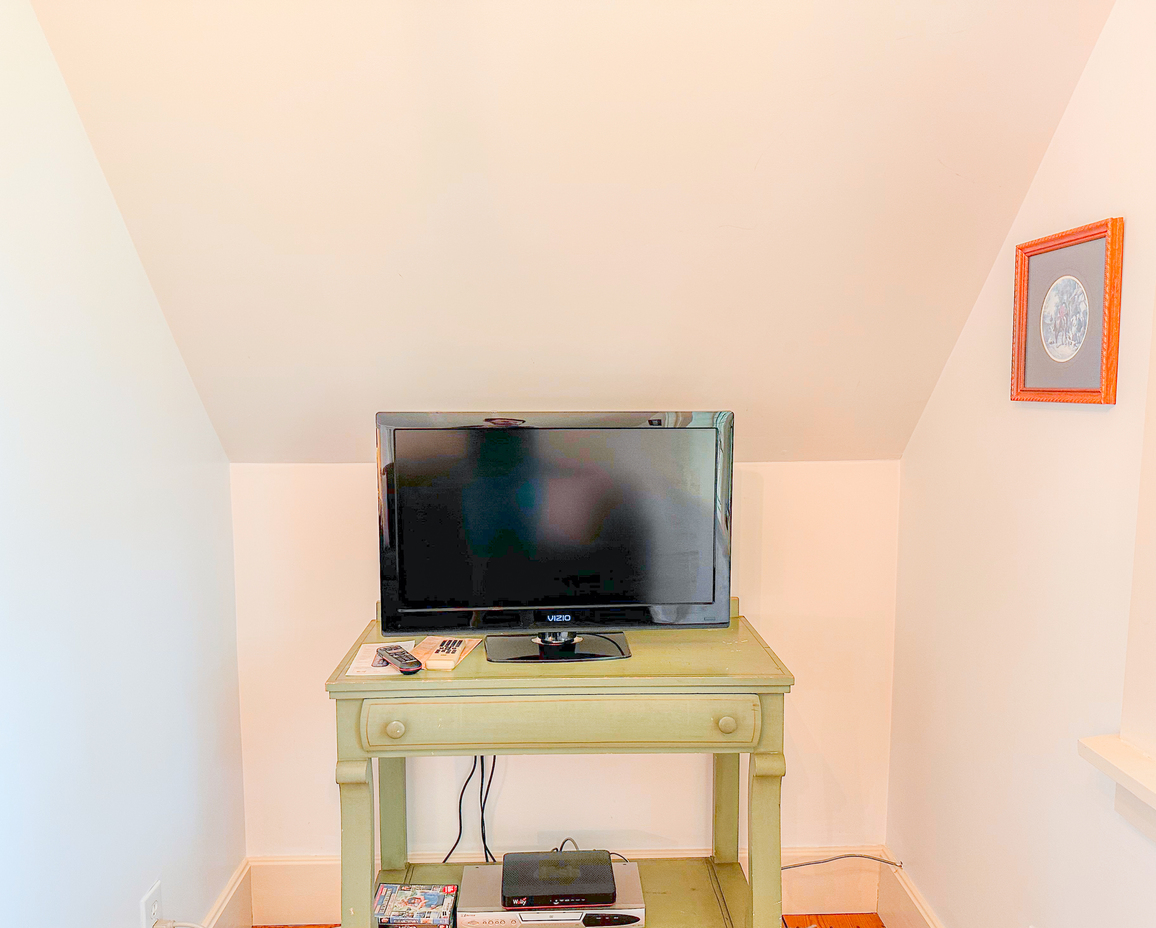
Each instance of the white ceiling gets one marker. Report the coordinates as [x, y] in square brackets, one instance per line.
[782, 208]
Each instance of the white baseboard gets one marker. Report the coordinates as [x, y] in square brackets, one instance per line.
[296, 890]
[901, 905]
[841, 887]
[307, 890]
[234, 907]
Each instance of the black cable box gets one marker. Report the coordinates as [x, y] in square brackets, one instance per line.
[558, 878]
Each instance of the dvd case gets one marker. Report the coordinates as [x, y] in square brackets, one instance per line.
[410, 905]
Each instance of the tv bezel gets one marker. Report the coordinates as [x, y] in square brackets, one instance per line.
[684, 615]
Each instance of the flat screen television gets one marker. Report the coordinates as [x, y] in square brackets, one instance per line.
[559, 528]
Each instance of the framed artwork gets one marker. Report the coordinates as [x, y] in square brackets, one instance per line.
[1066, 331]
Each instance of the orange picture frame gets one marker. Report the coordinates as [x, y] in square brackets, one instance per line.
[1112, 231]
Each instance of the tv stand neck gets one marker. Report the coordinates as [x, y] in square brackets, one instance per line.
[556, 639]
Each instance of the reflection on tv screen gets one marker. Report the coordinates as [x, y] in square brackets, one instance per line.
[539, 517]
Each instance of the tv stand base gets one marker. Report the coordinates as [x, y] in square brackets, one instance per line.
[557, 647]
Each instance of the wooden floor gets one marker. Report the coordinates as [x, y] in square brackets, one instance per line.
[789, 921]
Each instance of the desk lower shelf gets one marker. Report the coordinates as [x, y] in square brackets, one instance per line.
[685, 892]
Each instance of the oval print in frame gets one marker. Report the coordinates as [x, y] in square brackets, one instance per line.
[1064, 319]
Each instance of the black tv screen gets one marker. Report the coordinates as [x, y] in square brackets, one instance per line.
[619, 519]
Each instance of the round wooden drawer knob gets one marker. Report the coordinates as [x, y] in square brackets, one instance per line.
[396, 729]
[727, 725]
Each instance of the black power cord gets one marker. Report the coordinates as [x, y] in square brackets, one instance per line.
[608, 638]
[566, 841]
[461, 796]
[484, 788]
[482, 809]
[483, 798]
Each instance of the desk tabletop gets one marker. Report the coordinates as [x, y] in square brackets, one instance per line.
[663, 660]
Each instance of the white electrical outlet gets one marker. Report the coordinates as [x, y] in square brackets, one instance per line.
[150, 907]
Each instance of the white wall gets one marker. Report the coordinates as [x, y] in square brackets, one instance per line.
[1138, 719]
[593, 204]
[1138, 712]
[815, 553]
[1017, 525]
[305, 541]
[120, 742]
[815, 567]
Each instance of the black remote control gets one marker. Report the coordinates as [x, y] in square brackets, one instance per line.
[400, 658]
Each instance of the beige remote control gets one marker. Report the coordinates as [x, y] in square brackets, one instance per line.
[446, 655]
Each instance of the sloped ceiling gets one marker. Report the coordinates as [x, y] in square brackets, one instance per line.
[782, 208]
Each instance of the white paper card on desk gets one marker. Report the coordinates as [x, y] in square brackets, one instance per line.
[362, 665]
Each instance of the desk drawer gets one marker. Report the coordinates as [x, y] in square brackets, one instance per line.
[591, 724]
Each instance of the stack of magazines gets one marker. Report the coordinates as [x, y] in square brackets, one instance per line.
[408, 905]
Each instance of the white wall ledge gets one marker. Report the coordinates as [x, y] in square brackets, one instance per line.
[1129, 766]
[1134, 772]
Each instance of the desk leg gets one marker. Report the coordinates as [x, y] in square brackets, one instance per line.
[391, 800]
[764, 841]
[355, 779]
[726, 808]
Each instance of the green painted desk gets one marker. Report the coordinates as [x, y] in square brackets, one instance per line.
[704, 691]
